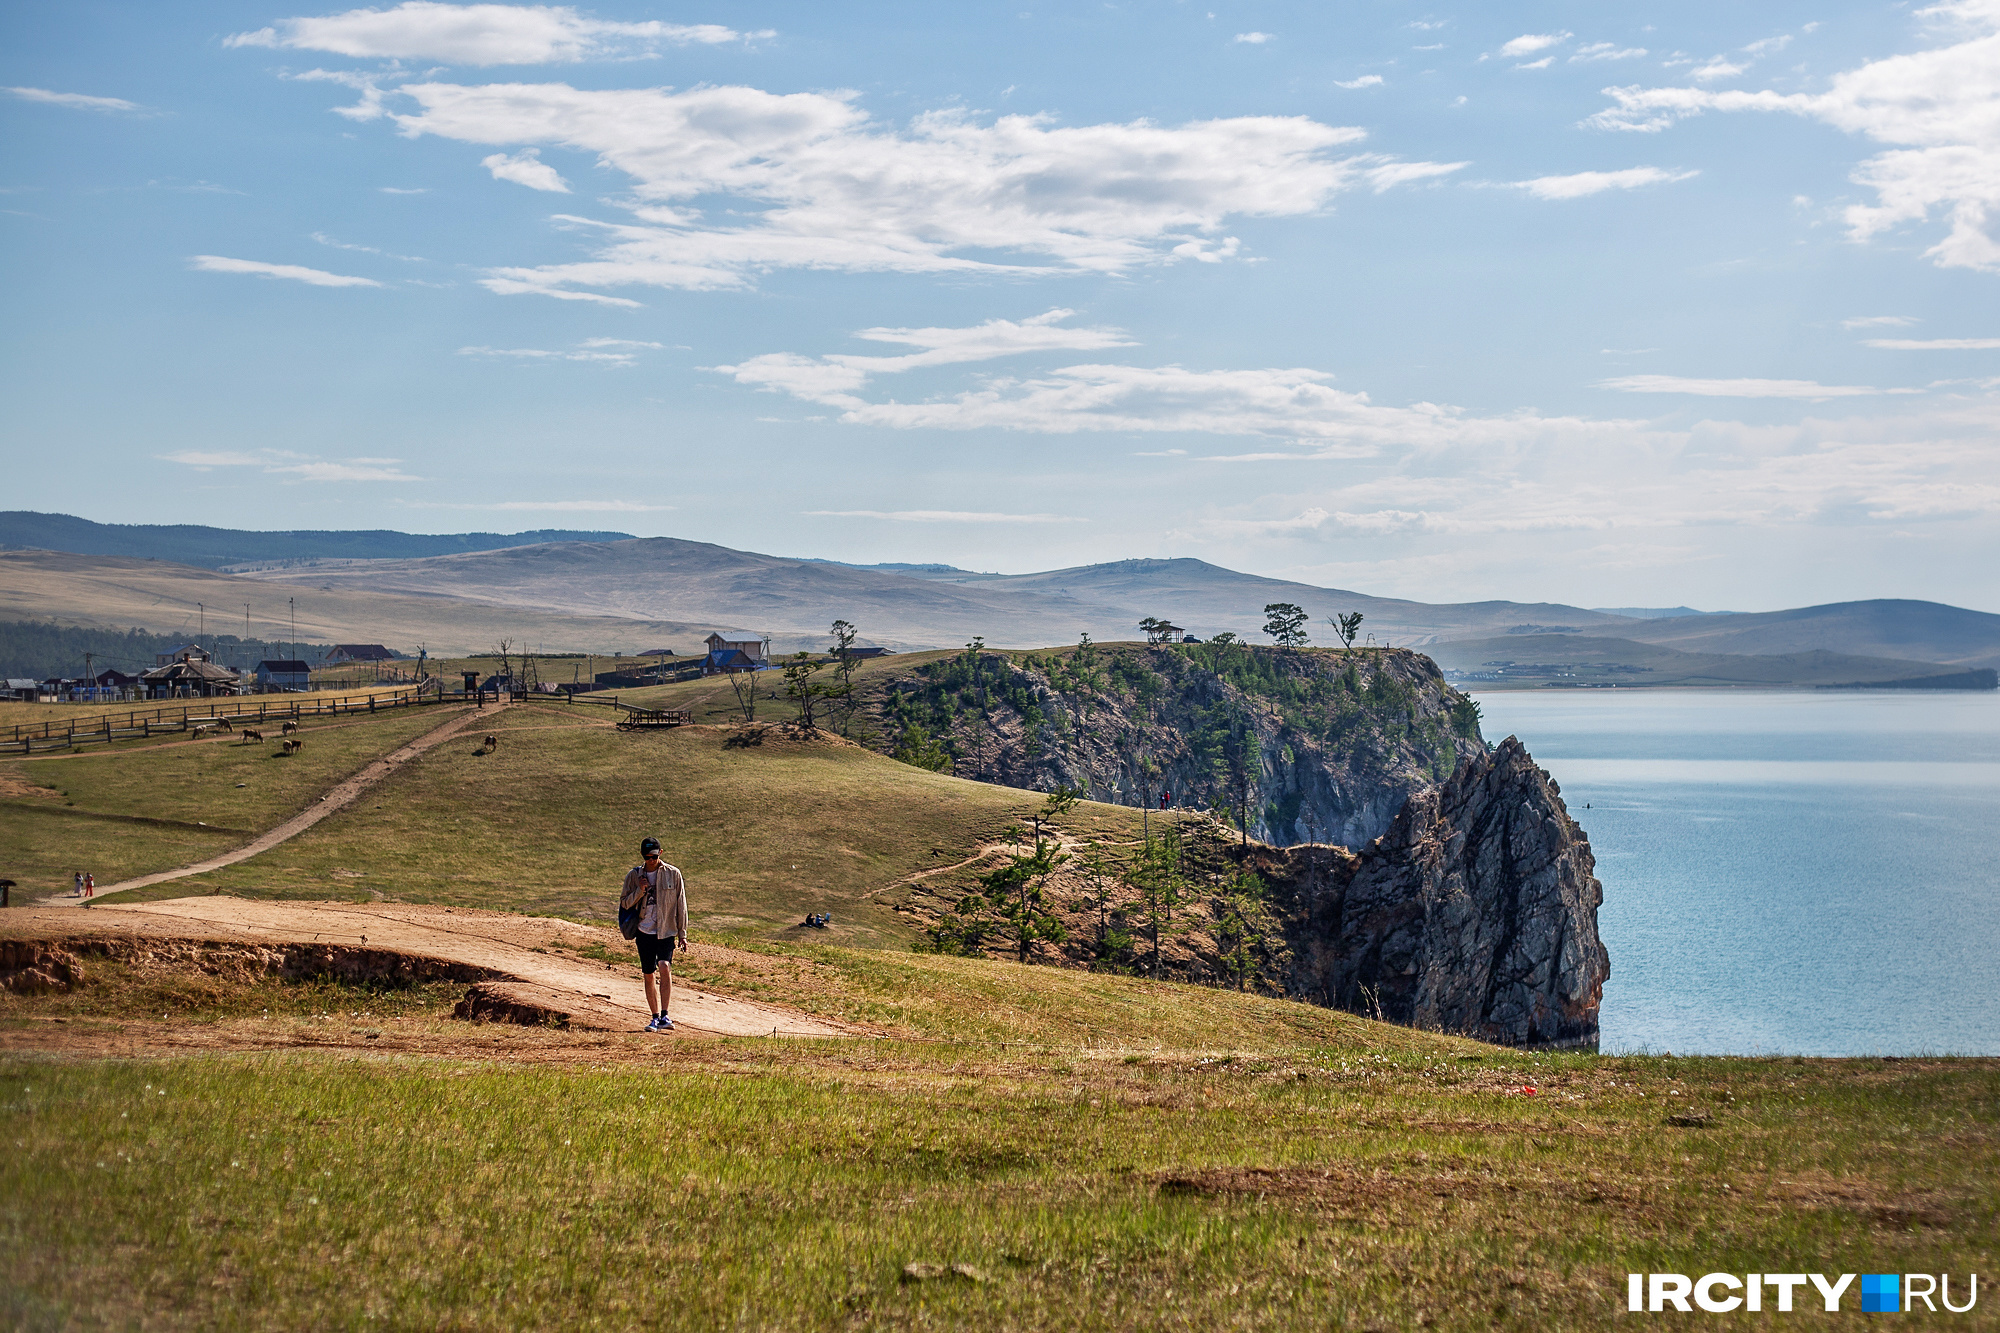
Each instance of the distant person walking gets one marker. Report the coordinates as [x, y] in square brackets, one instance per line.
[76, 884]
[657, 890]
[89, 884]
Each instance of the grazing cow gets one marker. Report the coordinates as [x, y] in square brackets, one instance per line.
[492, 741]
[289, 728]
[250, 734]
[222, 724]
[293, 747]
[198, 733]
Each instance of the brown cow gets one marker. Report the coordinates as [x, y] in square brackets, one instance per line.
[289, 728]
[251, 735]
[293, 747]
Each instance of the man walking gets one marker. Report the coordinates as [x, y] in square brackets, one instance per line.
[657, 889]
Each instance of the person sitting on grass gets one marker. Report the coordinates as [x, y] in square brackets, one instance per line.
[663, 921]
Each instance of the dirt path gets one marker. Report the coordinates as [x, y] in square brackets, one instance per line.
[339, 798]
[537, 954]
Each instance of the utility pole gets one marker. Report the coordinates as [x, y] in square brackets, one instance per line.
[293, 603]
[200, 622]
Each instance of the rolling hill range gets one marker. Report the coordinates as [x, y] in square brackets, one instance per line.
[215, 548]
[594, 595]
[153, 595]
[664, 578]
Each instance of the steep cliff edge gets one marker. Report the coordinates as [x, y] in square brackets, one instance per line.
[1469, 907]
[1298, 745]
[1476, 913]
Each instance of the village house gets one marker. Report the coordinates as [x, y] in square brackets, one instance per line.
[357, 652]
[275, 676]
[190, 677]
[728, 655]
[23, 691]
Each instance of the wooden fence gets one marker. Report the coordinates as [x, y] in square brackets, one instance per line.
[67, 734]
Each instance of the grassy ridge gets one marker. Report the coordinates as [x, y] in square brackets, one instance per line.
[762, 1184]
[767, 826]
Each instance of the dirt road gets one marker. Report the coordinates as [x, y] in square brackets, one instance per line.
[536, 957]
[340, 797]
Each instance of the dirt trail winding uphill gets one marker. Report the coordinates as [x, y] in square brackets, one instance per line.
[534, 958]
[339, 798]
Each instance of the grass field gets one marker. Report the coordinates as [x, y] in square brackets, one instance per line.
[772, 1184]
[139, 806]
[766, 825]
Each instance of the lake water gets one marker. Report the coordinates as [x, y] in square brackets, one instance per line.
[1799, 873]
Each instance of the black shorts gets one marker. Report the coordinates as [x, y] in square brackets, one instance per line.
[653, 950]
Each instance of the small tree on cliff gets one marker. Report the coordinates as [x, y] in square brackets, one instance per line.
[1016, 892]
[1346, 627]
[1285, 622]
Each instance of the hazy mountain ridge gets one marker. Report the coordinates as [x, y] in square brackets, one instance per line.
[592, 594]
[212, 548]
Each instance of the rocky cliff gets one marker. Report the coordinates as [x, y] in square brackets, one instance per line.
[1299, 745]
[1468, 905]
[1476, 913]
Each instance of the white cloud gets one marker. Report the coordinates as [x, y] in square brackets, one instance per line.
[1879, 321]
[728, 182]
[481, 34]
[1741, 388]
[1365, 81]
[828, 379]
[938, 516]
[1291, 404]
[1253, 38]
[1935, 344]
[335, 244]
[1939, 109]
[1596, 182]
[390, 189]
[313, 276]
[525, 168]
[1718, 68]
[1543, 63]
[1768, 45]
[1597, 51]
[604, 351]
[76, 101]
[1529, 43]
[300, 467]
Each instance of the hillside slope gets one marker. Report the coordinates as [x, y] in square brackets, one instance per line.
[211, 548]
[155, 595]
[1886, 627]
[1535, 660]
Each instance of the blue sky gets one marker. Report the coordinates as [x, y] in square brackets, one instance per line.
[1605, 305]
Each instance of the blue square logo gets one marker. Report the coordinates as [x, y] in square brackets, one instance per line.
[1881, 1293]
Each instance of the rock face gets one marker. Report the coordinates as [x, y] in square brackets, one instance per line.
[1470, 906]
[1476, 913]
[1303, 745]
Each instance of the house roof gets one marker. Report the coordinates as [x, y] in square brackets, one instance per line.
[750, 639]
[365, 652]
[729, 657]
[288, 668]
[189, 671]
[16, 684]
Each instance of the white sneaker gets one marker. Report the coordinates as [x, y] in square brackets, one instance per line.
[654, 1026]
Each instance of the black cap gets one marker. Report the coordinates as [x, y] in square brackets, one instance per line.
[649, 845]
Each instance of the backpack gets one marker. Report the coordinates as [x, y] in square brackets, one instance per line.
[628, 914]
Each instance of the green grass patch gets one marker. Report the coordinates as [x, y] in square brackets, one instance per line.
[235, 789]
[762, 1184]
[767, 827]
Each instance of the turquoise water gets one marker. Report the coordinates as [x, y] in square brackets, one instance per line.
[1797, 873]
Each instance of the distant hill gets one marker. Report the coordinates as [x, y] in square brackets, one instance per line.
[213, 548]
[671, 579]
[1925, 631]
[1572, 660]
[579, 591]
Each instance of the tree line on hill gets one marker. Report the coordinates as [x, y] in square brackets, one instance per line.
[43, 650]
